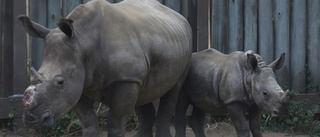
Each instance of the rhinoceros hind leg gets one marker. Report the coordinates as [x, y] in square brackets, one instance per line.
[197, 122]
[87, 116]
[146, 115]
[180, 114]
[166, 110]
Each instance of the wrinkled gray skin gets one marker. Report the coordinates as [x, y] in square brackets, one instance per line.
[239, 84]
[125, 55]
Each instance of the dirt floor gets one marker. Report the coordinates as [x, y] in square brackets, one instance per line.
[215, 130]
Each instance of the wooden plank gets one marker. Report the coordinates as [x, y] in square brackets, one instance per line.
[7, 48]
[250, 25]
[202, 25]
[20, 48]
[265, 30]
[117, 1]
[174, 4]
[219, 27]
[313, 41]
[184, 8]
[282, 37]
[298, 45]
[69, 5]
[235, 25]
[192, 19]
[54, 13]
[85, 1]
[1, 83]
[111, 1]
[38, 13]
[161, 1]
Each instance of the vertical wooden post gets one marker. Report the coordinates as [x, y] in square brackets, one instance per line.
[111, 1]
[19, 43]
[38, 13]
[235, 25]
[265, 30]
[192, 18]
[184, 8]
[202, 24]
[298, 45]
[282, 36]
[54, 13]
[173, 4]
[7, 48]
[1, 83]
[250, 25]
[116, 1]
[69, 5]
[313, 41]
[219, 25]
[84, 1]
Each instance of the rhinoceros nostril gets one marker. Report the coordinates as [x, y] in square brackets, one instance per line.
[275, 112]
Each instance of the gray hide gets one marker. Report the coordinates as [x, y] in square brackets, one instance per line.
[239, 84]
[125, 55]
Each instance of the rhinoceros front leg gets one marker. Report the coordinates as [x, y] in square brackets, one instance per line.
[122, 100]
[87, 116]
[238, 116]
[255, 121]
[146, 115]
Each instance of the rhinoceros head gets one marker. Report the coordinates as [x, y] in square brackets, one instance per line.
[58, 84]
[266, 92]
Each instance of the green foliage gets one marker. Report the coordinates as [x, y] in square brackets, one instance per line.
[299, 121]
[11, 124]
[68, 125]
[309, 85]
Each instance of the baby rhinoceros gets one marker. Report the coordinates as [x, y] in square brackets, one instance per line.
[240, 84]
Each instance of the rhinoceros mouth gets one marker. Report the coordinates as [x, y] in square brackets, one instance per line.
[279, 113]
[44, 120]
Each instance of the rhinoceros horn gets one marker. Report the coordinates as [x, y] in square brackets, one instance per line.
[285, 94]
[36, 74]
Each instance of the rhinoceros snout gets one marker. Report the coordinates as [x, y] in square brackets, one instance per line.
[280, 112]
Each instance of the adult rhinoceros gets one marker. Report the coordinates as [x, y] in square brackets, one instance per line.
[239, 83]
[125, 55]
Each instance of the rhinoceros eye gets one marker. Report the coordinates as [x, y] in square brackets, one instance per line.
[265, 95]
[58, 81]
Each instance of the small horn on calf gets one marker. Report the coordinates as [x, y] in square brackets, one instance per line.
[285, 94]
[34, 72]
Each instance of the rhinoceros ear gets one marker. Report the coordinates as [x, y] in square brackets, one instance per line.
[65, 25]
[252, 61]
[32, 28]
[277, 64]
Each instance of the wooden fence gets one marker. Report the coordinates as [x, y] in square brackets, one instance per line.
[271, 27]
[268, 27]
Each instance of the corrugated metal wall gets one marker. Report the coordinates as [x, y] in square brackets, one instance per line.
[271, 27]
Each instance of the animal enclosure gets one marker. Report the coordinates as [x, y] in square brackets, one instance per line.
[269, 27]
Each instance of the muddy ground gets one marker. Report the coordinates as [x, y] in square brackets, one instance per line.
[214, 130]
